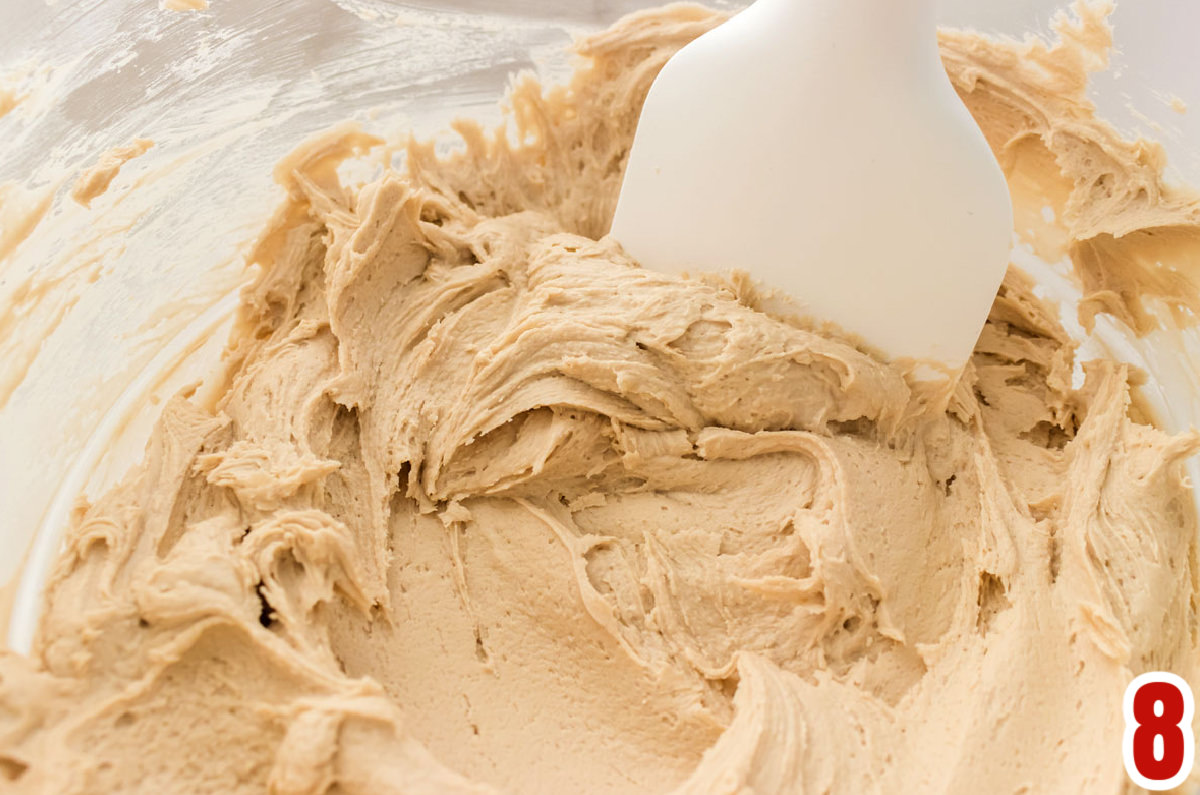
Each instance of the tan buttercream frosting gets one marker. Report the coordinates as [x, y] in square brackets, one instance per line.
[486, 507]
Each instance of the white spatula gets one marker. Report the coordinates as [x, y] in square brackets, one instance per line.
[819, 145]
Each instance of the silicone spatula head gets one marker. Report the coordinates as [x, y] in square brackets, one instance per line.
[819, 146]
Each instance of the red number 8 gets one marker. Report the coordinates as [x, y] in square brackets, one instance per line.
[1158, 746]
